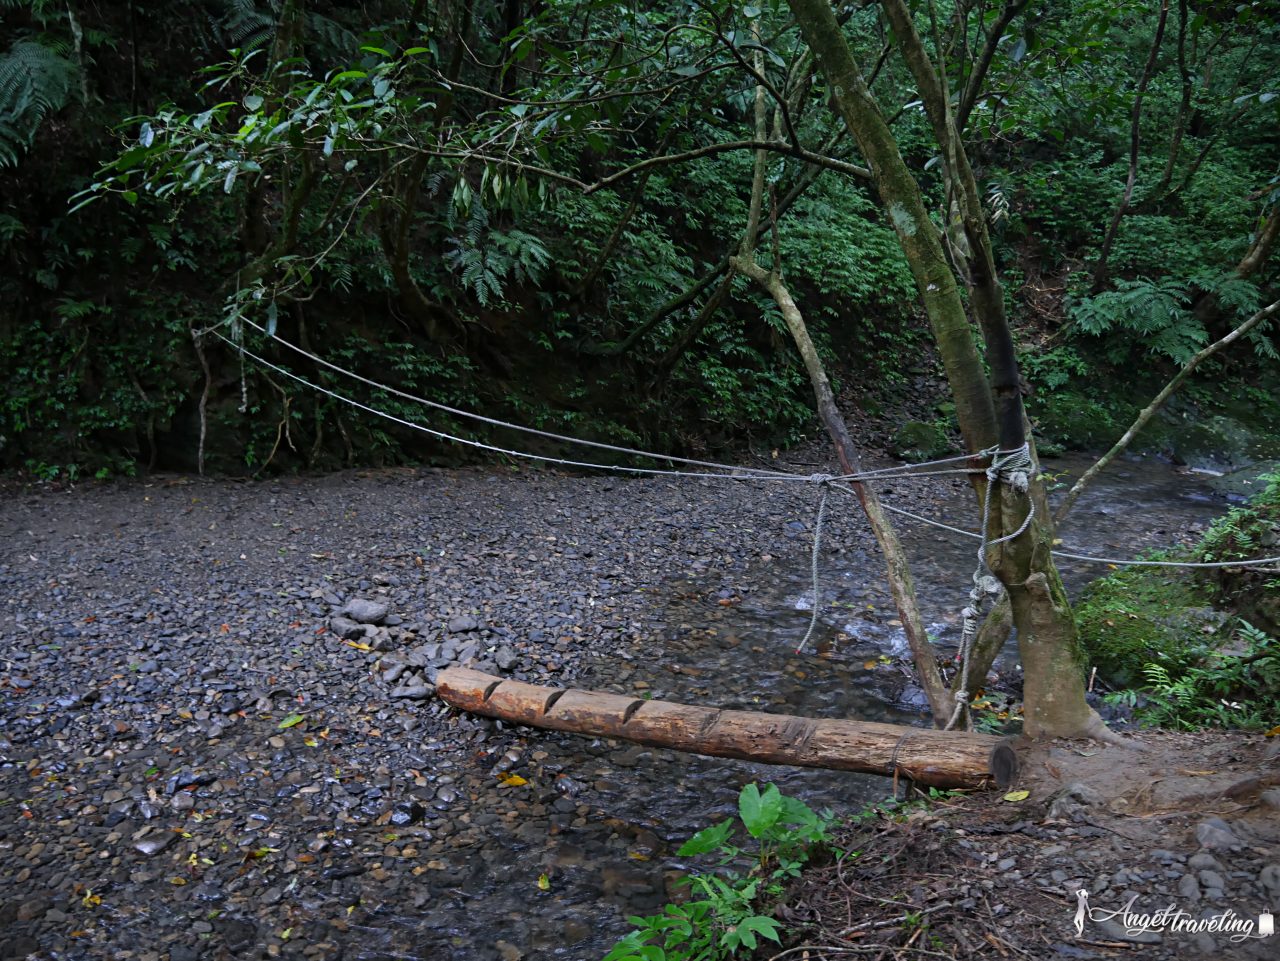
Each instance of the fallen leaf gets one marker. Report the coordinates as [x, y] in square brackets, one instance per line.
[1016, 796]
[512, 780]
[1275, 731]
[359, 646]
[544, 883]
[290, 721]
[1192, 773]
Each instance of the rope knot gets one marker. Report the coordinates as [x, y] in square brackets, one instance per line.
[962, 697]
[822, 478]
[988, 586]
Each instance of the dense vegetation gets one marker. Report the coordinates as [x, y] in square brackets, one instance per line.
[399, 188]
[1191, 648]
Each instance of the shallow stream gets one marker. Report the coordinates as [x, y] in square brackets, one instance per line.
[153, 769]
[614, 814]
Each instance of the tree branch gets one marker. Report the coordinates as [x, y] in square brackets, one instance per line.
[978, 75]
[1135, 139]
[1153, 408]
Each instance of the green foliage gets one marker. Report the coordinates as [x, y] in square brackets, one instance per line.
[1248, 532]
[918, 441]
[488, 262]
[1138, 616]
[1220, 689]
[391, 198]
[1153, 312]
[723, 917]
[1149, 632]
[1080, 418]
[36, 80]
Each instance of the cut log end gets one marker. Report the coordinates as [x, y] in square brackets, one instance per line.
[945, 759]
[1004, 765]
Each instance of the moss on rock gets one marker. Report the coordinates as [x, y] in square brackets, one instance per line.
[918, 441]
[1248, 532]
[1141, 616]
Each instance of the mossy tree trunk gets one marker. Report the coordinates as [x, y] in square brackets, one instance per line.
[1054, 700]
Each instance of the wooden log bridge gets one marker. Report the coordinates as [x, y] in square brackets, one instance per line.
[945, 759]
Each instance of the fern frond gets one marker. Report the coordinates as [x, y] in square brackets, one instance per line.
[35, 81]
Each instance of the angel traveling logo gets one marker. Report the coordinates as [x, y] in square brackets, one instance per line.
[1174, 920]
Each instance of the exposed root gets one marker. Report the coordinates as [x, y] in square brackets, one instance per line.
[1097, 730]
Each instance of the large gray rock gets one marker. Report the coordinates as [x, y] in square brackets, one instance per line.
[1072, 799]
[153, 844]
[1189, 888]
[365, 611]
[1215, 834]
[463, 622]
[346, 628]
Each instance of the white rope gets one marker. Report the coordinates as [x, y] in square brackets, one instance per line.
[1092, 559]
[1013, 469]
[743, 473]
[817, 546]
[493, 421]
[734, 473]
[884, 473]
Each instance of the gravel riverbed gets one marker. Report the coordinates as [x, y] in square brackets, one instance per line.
[219, 733]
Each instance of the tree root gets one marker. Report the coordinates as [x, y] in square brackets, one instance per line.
[1097, 730]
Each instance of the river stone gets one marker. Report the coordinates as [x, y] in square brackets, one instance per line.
[1071, 798]
[1189, 888]
[153, 844]
[1269, 878]
[394, 671]
[1215, 834]
[34, 909]
[464, 622]
[346, 628]
[1212, 879]
[1204, 861]
[1271, 798]
[364, 611]
[406, 813]
[1115, 931]
[413, 692]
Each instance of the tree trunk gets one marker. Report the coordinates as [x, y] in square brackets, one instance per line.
[1054, 703]
[948, 759]
[901, 584]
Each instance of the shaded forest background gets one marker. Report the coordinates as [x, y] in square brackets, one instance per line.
[406, 241]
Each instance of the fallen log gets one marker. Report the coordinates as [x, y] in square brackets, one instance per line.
[945, 759]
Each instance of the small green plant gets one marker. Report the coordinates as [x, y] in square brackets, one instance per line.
[725, 916]
[1222, 690]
